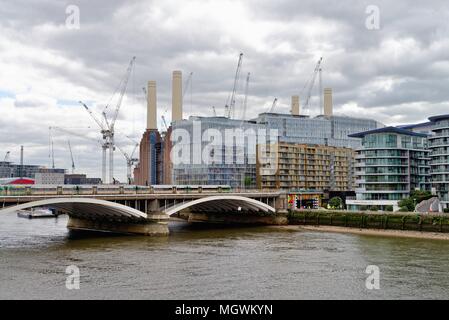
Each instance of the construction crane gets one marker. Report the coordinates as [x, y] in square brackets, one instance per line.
[75, 133]
[71, 156]
[273, 106]
[246, 96]
[72, 133]
[215, 111]
[309, 85]
[164, 122]
[230, 105]
[130, 159]
[51, 153]
[7, 156]
[107, 128]
[186, 84]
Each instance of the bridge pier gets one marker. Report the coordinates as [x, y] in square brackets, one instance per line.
[155, 225]
[226, 218]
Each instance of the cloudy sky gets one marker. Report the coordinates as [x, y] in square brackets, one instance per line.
[397, 73]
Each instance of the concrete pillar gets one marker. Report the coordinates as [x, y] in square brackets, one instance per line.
[328, 104]
[295, 105]
[177, 96]
[154, 226]
[151, 106]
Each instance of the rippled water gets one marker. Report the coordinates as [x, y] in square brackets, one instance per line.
[215, 263]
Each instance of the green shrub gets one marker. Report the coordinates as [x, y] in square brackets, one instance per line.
[373, 208]
[408, 203]
[420, 195]
[403, 209]
[336, 202]
[446, 210]
[389, 208]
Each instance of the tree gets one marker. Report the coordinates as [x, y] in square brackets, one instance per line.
[388, 208]
[336, 202]
[408, 203]
[420, 195]
[248, 181]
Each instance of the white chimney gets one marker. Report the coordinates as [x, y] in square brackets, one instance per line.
[151, 106]
[177, 96]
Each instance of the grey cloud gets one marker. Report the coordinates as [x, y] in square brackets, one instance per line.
[114, 31]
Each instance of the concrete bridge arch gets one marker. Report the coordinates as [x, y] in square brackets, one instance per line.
[221, 203]
[84, 208]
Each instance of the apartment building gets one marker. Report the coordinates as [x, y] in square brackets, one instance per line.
[291, 166]
[391, 163]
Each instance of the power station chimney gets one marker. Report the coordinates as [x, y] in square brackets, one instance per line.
[295, 105]
[21, 161]
[328, 102]
[176, 96]
[151, 106]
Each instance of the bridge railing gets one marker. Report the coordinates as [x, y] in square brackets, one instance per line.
[73, 190]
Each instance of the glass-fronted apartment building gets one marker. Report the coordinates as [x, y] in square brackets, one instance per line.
[439, 154]
[297, 129]
[321, 130]
[391, 163]
[219, 170]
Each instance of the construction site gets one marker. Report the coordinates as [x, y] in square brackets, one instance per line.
[148, 161]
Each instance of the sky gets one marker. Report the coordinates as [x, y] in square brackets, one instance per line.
[384, 60]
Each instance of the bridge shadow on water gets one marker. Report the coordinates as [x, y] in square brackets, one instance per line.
[180, 230]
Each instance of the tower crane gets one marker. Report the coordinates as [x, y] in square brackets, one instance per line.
[186, 84]
[130, 159]
[215, 111]
[273, 106]
[230, 104]
[107, 129]
[164, 122]
[71, 156]
[309, 85]
[7, 156]
[75, 133]
[246, 96]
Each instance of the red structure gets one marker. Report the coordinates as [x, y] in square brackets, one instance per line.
[16, 181]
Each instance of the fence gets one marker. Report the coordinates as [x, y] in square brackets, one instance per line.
[372, 220]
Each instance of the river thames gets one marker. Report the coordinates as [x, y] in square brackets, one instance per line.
[215, 263]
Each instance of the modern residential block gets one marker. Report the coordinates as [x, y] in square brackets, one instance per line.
[391, 163]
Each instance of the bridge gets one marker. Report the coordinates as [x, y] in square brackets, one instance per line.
[146, 210]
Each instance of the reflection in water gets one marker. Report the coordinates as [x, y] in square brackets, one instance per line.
[199, 262]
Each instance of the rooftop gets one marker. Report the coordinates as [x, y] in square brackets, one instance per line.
[440, 117]
[387, 129]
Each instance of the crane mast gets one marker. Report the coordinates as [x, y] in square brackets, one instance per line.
[230, 105]
[246, 96]
[311, 83]
[186, 84]
[164, 122]
[71, 156]
[107, 128]
[130, 160]
[273, 106]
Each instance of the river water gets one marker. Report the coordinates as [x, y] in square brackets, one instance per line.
[215, 263]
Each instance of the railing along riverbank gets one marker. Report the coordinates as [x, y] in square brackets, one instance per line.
[371, 220]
